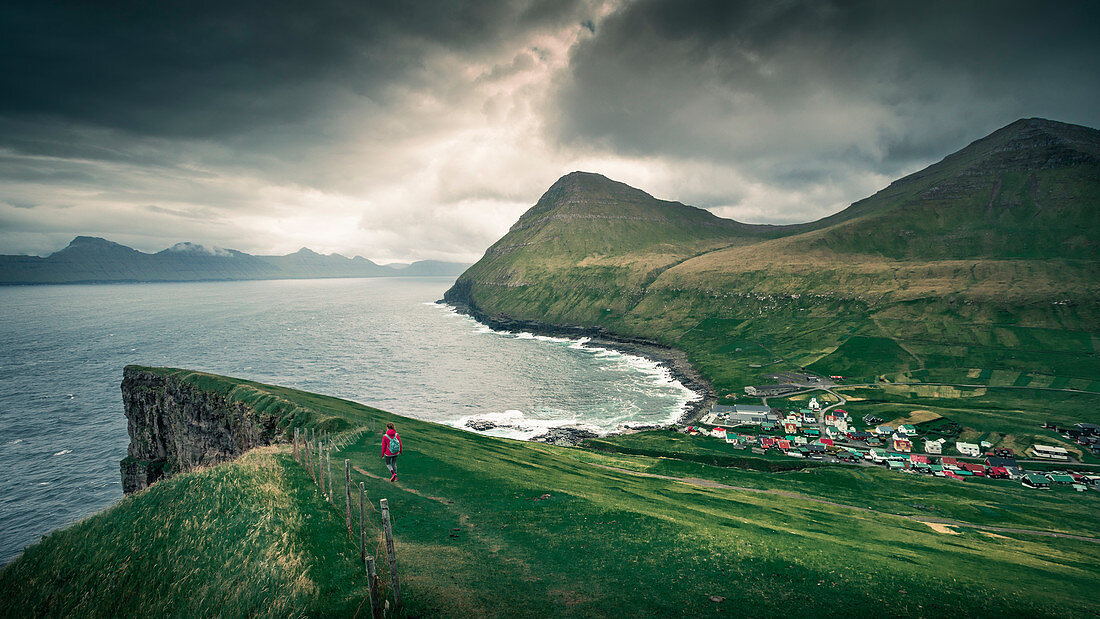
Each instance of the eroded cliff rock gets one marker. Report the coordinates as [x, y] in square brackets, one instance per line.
[176, 425]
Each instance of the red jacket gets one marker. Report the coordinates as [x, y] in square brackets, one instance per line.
[386, 443]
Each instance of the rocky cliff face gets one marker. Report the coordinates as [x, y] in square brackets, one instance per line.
[176, 425]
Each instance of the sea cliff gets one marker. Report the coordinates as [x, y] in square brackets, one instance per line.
[179, 420]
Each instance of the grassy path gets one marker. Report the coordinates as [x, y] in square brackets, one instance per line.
[707, 483]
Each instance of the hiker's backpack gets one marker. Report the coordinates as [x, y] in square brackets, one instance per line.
[394, 444]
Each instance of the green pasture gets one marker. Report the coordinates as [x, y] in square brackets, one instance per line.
[495, 527]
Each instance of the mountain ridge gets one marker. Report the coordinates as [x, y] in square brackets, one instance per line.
[89, 259]
[1001, 232]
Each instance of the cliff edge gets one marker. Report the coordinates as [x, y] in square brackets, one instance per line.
[179, 420]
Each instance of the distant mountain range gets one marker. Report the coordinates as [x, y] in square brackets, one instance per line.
[91, 259]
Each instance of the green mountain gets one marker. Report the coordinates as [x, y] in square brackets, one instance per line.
[92, 259]
[984, 263]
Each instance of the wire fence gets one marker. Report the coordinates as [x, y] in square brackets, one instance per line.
[314, 451]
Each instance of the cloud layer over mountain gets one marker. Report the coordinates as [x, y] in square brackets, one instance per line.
[405, 131]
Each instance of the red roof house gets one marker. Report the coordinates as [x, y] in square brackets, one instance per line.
[977, 469]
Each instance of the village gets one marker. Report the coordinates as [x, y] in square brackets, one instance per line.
[829, 434]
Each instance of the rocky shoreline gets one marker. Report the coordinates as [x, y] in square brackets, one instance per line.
[670, 358]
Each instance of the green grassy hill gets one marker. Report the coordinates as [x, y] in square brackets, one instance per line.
[495, 527]
[986, 261]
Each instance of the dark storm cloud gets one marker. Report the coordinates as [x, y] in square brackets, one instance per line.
[210, 69]
[826, 86]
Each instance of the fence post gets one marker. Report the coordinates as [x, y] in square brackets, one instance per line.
[309, 461]
[392, 555]
[362, 522]
[328, 465]
[347, 490]
[295, 448]
[375, 601]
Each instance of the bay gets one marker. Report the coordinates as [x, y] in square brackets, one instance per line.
[382, 342]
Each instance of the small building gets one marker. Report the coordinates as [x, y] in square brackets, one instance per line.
[1034, 480]
[812, 432]
[949, 463]
[769, 391]
[878, 455]
[859, 436]
[884, 430]
[907, 429]
[1090, 429]
[718, 432]
[919, 459]
[975, 469]
[801, 440]
[901, 443]
[934, 447]
[746, 414]
[1050, 453]
[968, 449]
[1003, 462]
[790, 427]
[1060, 479]
[814, 405]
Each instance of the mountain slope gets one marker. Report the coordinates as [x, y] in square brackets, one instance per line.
[1027, 190]
[490, 527]
[985, 259]
[596, 241]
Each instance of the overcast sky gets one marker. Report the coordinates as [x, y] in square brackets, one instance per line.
[399, 130]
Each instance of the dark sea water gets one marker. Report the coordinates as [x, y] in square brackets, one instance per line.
[382, 342]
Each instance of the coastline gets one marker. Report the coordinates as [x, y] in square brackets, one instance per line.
[672, 359]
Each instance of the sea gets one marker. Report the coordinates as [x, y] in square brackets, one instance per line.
[385, 342]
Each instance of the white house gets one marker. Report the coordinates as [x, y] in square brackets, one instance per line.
[934, 447]
[968, 449]
[1050, 453]
[814, 405]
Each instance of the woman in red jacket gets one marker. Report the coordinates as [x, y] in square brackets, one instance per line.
[391, 448]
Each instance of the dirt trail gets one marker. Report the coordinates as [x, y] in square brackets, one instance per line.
[405, 488]
[707, 483]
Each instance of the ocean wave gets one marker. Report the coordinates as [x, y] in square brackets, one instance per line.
[63, 452]
[515, 424]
